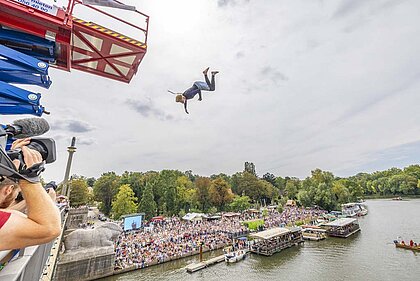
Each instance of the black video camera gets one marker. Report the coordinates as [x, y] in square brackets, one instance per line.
[45, 146]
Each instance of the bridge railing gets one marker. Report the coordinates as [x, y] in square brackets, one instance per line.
[33, 263]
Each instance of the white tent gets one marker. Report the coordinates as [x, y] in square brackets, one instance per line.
[193, 217]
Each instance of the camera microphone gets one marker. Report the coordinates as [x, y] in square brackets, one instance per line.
[28, 127]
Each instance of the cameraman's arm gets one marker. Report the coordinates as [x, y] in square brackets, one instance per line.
[21, 206]
[43, 222]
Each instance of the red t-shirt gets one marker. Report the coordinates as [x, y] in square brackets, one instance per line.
[3, 218]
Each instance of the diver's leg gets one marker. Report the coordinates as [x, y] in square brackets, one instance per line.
[208, 81]
[212, 85]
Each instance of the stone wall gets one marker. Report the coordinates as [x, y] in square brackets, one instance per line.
[85, 265]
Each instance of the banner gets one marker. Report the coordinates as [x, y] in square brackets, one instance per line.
[41, 6]
[109, 3]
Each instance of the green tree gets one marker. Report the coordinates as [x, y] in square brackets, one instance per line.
[220, 193]
[90, 181]
[249, 186]
[292, 187]
[185, 193]
[267, 192]
[79, 193]
[270, 178]
[147, 203]
[305, 198]
[235, 182]
[104, 190]
[190, 175]
[413, 170]
[281, 185]
[341, 192]
[202, 186]
[165, 191]
[317, 190]
[124, 203]
[136, 180]
[240, 203]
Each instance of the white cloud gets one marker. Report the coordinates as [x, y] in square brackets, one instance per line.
[302, 84]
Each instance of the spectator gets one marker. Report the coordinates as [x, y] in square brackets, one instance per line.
[43, 221]
[9, 190]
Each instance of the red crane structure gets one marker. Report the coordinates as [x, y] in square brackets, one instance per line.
[77, 43]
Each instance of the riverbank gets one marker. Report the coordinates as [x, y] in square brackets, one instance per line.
[183, 256]
[377, 196]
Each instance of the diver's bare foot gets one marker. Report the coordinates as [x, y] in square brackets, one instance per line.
[206, 70]
[214, 72]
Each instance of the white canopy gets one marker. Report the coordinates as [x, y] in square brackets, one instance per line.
[270, 233]
[193, 217]
[341, 222]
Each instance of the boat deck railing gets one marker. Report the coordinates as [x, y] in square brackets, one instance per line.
[268, 250]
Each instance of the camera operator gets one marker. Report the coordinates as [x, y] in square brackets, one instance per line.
[42, 223]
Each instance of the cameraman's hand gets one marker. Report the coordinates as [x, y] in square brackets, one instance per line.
[30, 157]
[20, 143]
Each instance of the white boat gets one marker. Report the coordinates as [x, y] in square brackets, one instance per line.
[354, 210]
[235, 256]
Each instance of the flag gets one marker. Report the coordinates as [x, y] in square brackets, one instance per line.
[109, 3]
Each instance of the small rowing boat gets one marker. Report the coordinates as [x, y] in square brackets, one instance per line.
[402, 245]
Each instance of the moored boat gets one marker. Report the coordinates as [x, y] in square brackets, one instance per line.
[274, 240]
[235, 256]
[342, 228]
[354, 210]
[314, 233]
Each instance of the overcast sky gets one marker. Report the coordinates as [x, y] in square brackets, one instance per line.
[302, 85]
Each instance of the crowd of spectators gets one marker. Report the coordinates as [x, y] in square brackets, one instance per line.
[173, 238]
[292, 215]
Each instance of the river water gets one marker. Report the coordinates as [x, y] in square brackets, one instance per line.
[367, 255]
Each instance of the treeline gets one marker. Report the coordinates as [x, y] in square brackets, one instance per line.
[172, 192]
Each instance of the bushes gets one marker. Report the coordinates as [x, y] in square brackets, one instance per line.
[254, 224]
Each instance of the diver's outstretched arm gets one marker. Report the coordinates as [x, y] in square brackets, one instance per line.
[185, 106]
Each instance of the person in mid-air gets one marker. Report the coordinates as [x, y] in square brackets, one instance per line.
[196, 88]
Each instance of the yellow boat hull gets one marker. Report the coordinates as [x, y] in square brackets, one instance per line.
[407, 247]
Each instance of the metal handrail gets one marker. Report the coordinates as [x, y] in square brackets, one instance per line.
[72, 3]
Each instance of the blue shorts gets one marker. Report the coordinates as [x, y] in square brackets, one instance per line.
[202, 85]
